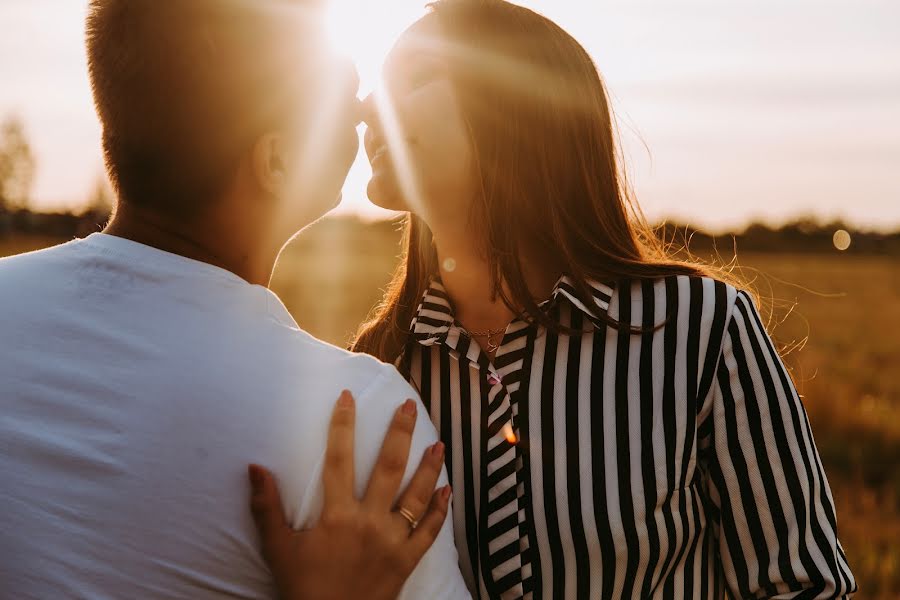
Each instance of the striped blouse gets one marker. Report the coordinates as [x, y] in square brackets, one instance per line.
[673, 463]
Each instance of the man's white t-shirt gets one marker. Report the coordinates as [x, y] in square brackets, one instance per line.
[135, 387]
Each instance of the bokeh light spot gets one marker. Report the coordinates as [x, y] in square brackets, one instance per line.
[510, 435]
[841, 239]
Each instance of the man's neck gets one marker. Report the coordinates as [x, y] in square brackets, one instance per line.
[218, 246]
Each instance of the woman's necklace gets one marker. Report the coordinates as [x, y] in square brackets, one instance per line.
[489, 336]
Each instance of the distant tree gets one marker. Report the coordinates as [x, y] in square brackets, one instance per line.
[17, 165]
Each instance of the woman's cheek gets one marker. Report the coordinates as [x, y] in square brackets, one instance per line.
[442, 143]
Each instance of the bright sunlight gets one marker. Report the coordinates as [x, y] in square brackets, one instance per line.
[366, 30]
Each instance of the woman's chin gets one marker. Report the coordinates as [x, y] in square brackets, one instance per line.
[385, 195]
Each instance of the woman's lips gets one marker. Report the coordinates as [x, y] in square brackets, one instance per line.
[382, 151]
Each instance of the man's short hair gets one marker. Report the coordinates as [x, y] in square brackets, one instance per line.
[183, 88]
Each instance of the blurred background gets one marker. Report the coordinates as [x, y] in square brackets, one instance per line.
[765, 133]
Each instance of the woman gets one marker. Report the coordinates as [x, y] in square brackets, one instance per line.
[618, 423]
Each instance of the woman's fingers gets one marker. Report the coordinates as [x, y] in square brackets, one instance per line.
[418, 494]
[391, 465]
[423, 536]
[271, 522]
[315, 563]
[337, 477]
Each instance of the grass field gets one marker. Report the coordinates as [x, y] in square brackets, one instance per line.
[837, 318]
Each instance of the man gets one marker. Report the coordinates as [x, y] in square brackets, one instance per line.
[143, 368]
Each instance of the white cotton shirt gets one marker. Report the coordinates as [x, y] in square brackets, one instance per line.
[135, 387]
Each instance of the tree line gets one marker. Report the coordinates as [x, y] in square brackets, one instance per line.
[805, 235]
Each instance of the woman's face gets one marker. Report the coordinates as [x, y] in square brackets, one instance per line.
[417, 140]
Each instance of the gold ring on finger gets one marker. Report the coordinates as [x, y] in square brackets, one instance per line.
[406, 514]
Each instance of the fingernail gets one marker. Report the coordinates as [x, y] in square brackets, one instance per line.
[257, 477]
[438, 450]
[346, 400]
[409, 408]
[445, 493]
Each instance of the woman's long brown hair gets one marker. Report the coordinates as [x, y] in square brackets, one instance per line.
[550, 172]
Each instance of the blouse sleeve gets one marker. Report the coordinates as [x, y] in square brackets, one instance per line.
[771, 507]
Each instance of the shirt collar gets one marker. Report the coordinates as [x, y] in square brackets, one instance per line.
[434, 317]
[434, 320]
[601, 295]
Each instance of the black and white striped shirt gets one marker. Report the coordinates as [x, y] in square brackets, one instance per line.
[674, 463]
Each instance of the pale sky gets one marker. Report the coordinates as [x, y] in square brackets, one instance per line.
[730, 110]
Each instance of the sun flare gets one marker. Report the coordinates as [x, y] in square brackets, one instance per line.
[365, 31]
[337, 25]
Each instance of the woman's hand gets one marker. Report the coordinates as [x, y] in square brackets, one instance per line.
[360, 548]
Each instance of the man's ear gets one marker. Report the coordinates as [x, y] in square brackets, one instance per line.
[270, 163]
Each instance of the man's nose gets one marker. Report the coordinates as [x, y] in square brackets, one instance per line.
[348, 83]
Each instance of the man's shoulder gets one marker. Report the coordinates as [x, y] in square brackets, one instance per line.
[280, 354]
[292, 341]
[299, 354]
[25, 277]
[18, 263]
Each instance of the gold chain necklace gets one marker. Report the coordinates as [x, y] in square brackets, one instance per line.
[490, 333]
[491, 345]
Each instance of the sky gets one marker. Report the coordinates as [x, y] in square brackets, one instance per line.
[729, 111]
